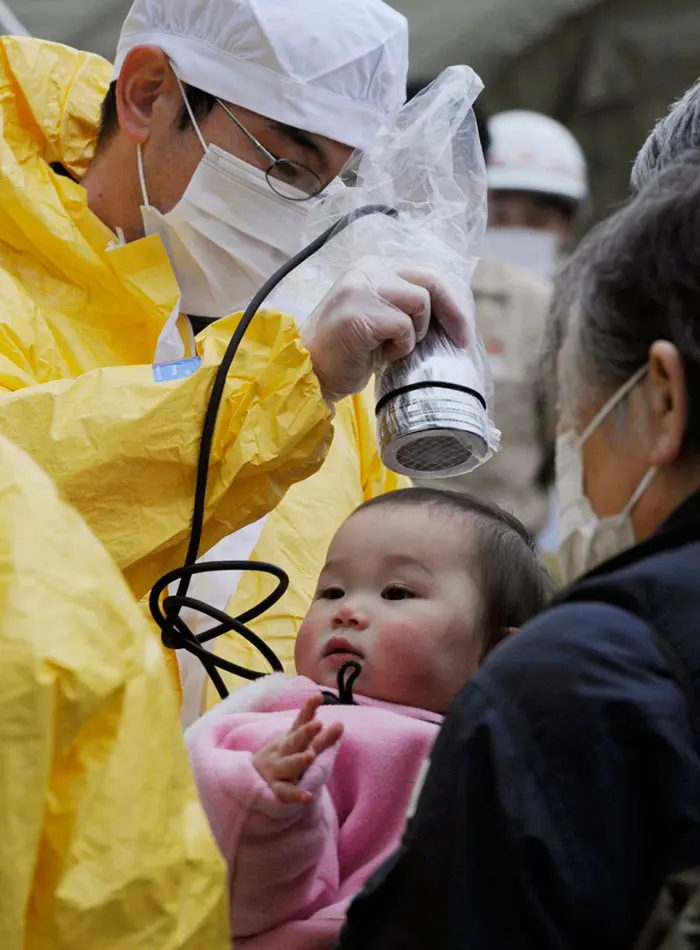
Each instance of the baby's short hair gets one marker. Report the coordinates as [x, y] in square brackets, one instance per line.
[515, 585]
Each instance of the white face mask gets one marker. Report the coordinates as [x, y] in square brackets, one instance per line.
[228, 233]
[584, 539]
[536, 251]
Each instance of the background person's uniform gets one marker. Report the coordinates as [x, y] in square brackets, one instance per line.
[565, 784]
[103, 843]
[511, 313]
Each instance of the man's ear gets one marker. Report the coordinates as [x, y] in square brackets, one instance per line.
[145, 77]
[668, 403]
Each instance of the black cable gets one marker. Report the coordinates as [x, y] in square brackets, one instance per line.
[176, 635]
[347, 676]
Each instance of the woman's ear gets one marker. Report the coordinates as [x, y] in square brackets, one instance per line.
[667, 403]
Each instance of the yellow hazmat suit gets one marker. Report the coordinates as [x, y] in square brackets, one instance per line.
[103, 844]
[78, 330]
[79, 324]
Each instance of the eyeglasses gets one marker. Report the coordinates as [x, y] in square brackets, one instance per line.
[285, 178]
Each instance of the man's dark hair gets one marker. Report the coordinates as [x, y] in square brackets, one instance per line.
[202, 104]
[515, 585]
[418, 85]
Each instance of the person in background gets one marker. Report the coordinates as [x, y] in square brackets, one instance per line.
[145, 201]
[538, 191]
[306, 780]
[565, 784]
[677, 133]
[511, 310]
[538, 201]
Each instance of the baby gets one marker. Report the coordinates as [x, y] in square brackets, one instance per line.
[307, 787]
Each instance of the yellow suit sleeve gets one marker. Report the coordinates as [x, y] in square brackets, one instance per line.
[123, 448]
[103, 843]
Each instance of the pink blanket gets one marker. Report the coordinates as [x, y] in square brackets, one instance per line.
[294, 868]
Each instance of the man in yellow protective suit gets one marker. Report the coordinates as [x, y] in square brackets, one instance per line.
[102, 841]
[174, 183]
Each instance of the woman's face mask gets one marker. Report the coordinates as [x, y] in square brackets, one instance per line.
[585, 540]
[228, 233]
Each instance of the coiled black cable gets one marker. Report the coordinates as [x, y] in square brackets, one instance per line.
[176, 635]
[347, 677]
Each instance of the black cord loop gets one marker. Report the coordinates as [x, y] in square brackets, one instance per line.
[347, 677]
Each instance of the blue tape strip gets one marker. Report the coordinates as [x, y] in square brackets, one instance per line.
[180, 369]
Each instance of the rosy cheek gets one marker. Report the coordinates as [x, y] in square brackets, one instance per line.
[304, 645]
[399, 649]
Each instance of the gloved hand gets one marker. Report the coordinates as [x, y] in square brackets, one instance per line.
[377, 311]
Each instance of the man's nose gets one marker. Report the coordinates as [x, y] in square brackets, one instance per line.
[350, 616]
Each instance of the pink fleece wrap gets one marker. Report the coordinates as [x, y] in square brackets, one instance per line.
[294, 868]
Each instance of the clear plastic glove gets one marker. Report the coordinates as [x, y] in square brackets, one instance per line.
[377, 311]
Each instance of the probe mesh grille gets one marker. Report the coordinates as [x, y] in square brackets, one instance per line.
[433, 453]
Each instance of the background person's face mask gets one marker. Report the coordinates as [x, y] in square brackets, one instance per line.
[536, 251]
[228, 233]
[585, 540]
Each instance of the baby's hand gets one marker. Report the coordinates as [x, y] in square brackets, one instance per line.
[283, 761]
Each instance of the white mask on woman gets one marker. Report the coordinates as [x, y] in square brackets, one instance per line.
[585, 540]
[228, 233]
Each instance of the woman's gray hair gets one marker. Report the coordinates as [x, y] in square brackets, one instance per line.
[671, 137]
[635, 279]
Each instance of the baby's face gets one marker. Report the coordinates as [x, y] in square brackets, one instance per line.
[397, 595]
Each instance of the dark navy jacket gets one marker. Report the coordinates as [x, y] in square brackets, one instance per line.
[565, 784]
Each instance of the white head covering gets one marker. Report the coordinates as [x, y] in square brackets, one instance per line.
[333, 67]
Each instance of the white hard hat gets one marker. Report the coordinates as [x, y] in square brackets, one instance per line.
[531, 152]
[334, 67]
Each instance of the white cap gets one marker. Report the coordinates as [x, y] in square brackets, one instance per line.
[532, 152]
[332, 67]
